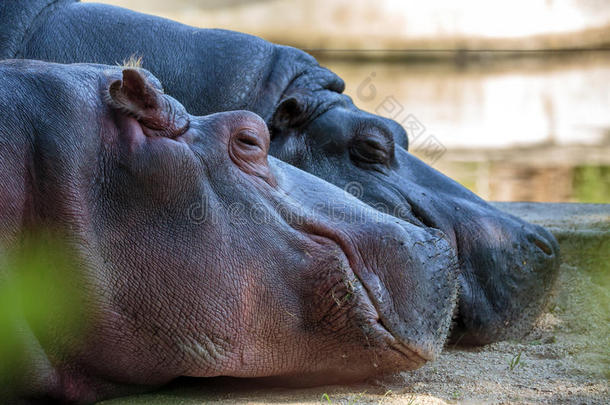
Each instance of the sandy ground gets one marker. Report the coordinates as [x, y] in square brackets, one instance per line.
[565, 359]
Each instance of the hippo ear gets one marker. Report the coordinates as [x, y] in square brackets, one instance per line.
[291, 112]
[135, 96]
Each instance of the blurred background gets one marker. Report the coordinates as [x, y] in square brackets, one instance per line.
[510, 98]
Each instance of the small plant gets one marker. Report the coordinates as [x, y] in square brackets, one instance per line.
[355, 399]
[515, 361]
[456, 395]
[326, 398]
[411, 399]
[387, 394]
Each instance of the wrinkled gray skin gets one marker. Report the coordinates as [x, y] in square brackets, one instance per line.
[508, 267]
[286, 276]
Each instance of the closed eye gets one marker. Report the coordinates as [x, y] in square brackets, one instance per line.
[246, 138]
[369, 151]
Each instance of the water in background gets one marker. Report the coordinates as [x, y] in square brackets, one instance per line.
[524, 129]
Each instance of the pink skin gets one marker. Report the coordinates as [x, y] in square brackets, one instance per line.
[323, 290]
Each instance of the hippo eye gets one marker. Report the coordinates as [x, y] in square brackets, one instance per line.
[248, 139]
[370, 152]
[247, 145]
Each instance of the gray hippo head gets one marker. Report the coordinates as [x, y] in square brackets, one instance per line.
[507, 266]
[200, 255]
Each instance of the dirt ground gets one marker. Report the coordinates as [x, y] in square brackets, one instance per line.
[565, 359]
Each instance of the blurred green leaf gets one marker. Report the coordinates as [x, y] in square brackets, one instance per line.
[592, 184]
[41, 295]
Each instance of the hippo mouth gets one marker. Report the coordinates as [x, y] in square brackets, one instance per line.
[374, 301]
[414, 358]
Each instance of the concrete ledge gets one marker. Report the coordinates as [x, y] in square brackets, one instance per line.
[562, 218]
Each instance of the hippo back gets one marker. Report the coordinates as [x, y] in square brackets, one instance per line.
[208, 70]
[19, 18]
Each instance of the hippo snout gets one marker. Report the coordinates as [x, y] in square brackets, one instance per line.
[423, 303]
[514, 265]
[400, 279]
[409, 274]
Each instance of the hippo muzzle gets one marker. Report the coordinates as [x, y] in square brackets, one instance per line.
[507, 267]
[411, 305]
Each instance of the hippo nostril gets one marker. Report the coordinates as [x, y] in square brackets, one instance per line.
[542, 245]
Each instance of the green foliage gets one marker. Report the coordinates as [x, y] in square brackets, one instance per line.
[352, 400]
[515, 361]
[40, 296]
[592, 184]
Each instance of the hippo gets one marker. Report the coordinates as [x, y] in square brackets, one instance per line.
[195, 253]
[507, 266]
